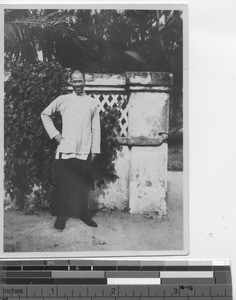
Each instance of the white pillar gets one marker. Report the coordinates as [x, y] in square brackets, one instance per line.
[148, 120]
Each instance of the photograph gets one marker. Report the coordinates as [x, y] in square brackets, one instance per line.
[95, 130]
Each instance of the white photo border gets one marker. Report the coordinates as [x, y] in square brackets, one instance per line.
[104, 254]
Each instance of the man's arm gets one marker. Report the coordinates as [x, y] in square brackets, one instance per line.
[96, 133]
[47, 120]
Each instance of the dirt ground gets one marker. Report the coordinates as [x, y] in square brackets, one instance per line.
[116, 230]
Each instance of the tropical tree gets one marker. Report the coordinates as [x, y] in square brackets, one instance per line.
[99, 40]
[29, 33]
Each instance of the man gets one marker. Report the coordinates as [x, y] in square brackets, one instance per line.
[78, 145]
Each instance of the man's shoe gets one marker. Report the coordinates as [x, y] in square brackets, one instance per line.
[60, 223]
[89, 222]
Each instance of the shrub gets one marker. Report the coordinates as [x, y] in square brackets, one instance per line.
[29, 153]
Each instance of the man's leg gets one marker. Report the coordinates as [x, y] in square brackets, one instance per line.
[60, 222]
[83, 169]
[70, 197]
[58, 205]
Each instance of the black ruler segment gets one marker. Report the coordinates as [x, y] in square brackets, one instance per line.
[221, 268]
[82, 281]
[223, 277]
[43, 268]
[40, 280]
[188, 280]
[33, 268]
[56, 268]
[128, 268]
[104, 268]
[80, 268]
[11, 268]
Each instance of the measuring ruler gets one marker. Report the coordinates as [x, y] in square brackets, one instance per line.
[107, 280]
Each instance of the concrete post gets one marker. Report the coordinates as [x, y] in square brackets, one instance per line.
[148, 126]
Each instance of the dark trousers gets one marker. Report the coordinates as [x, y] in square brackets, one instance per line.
[73, 179]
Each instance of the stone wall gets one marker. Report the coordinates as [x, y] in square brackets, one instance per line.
[143, 98]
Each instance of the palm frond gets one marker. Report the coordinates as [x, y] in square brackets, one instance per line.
[34, 32]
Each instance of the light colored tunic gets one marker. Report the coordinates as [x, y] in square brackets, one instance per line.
[81, 131]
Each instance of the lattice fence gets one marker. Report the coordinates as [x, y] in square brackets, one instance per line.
[114, 99]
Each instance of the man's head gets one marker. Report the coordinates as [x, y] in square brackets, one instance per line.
[77, 80]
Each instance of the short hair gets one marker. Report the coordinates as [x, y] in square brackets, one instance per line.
[76, 71]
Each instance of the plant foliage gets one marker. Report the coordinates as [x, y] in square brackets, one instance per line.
[27, 32]
[29, 153]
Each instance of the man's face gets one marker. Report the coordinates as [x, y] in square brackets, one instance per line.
[77, 82]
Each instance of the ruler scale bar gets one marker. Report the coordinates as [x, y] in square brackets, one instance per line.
[58, 268]
[115, 268]
[33, 268]
[188, 268]
[124, 263]
[80, 268]
[85, 266]
[200, 290]
[19, 280]
[24, 274]
[131, 281]
[26, 280]
[124, 274]
[188, 280]
[180, 274]
[128, 268]
[134, 298]
[121, 291]
[122, 279]
[10, 268]
[78, 274]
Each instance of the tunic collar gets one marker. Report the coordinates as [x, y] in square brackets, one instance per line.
[82, 94]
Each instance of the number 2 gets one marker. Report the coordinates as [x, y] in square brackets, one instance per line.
[113, 291]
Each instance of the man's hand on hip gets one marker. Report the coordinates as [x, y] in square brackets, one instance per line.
[58, 138]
